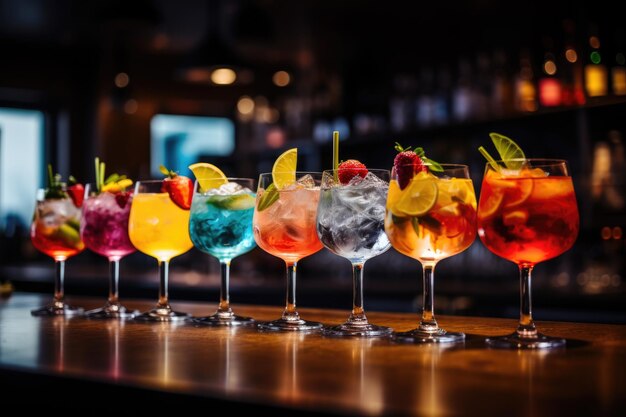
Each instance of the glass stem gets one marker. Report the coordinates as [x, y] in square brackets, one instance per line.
[224, 306]
[290, 312]
[526, 326]
[114, 280]
[163, 284]
[358, 313]
[428, 322]
[59, 278]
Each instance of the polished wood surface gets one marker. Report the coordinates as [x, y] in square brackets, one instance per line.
[308, 373]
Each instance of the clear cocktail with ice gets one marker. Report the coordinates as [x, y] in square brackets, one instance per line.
[351, 224]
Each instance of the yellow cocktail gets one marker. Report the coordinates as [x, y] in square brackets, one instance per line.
[158, 226]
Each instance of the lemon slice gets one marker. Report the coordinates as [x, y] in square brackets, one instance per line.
[508, 150]
[208, 175]
[284, 169]
[418, 198]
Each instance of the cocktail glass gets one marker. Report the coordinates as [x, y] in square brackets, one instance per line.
[432, 218]
[104, 229]
[55, 232]
[159, 228]
[351, 224]
[220, 224]
[287, 230]
[527, 215]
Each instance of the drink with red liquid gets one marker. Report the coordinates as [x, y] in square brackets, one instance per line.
[527, 215]
[55, 232]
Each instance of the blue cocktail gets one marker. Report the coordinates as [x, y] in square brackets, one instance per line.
[220, 224]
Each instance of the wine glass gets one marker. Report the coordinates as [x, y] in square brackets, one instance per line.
[433, 217]
[527, 216]
[55, 232]
[284, 225]
[351, 224]
[220, 224]
[104, 229]
[159, 228]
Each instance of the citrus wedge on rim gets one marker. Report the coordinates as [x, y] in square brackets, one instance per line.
[419, 196]
[284, 169]
[509, 151]
[208, 175]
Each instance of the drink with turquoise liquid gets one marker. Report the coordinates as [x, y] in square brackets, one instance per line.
[220, 224]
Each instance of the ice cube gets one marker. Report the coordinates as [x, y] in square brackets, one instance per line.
[345, 238]
[306, 181]
[226, 189]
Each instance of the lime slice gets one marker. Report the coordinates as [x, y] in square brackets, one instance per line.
[508, 150]
[284, 169]
[208, 175]
[419, 197]
[269, 197]
[68, 234]
[233, 202]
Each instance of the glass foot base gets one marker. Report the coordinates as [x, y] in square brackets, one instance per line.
[162, 314]
[421, 336]
[358, 330]
[282, 325]
[106, 313]
[515, 341]
[57, 309]
[223, 320]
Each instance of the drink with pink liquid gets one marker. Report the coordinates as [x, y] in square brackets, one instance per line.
[104, 229]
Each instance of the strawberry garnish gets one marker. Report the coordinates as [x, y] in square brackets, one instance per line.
[350, 169]
[76, 191]
[58, 189]
[180, 188]
[407, 163]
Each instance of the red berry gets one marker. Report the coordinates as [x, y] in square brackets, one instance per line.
[180, 190]
[77, 194]
[122, 198]
[407, 164]
[350, 169]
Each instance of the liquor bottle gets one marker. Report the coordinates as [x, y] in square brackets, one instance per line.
[570, 67]
[424, 104]
[550, 91]
[525, 90]
[502, 88]
[618, 70]
[596, 75]
[462, 94]
[482, 87]
[441, 96]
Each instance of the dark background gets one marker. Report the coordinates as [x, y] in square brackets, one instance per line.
[380, 68]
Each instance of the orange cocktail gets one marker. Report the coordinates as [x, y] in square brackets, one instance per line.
[445, 229]
[431, 215]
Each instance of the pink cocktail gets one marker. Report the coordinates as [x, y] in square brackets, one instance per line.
[104, 229]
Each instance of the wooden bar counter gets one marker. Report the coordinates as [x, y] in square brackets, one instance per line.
[62, 364]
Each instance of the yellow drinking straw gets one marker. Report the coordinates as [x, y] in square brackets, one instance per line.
[335, 154]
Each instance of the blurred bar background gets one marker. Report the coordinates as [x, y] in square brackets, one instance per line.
[147, 82]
